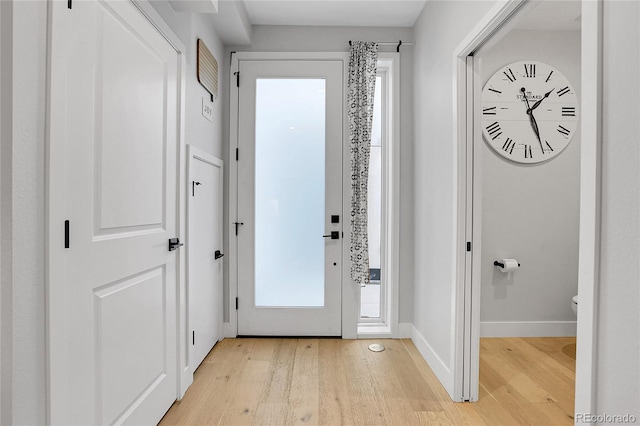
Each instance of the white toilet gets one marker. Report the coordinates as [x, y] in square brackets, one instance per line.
[574, 304]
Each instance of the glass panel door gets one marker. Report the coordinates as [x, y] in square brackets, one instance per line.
[289, 192]
[290, 130]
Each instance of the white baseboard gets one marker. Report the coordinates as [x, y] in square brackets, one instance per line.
[439, 368]
[528, 329]
[371, 331]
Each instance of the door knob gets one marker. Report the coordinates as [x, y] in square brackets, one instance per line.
[218, 254]
[334, 235]
[174, 243]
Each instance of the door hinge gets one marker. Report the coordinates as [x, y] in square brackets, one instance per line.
[237, 154]
[468, 245]
[236, 303]
[69, 4]
[66, 234]
[237, 74]
[193, 337]
[193, 187]
[237, 224]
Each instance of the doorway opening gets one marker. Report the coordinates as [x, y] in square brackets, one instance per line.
[470, 261]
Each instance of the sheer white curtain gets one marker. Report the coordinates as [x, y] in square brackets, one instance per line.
[361, 84]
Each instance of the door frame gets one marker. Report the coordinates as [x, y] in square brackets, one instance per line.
[465, 333]
[350, 293]
[52, 224]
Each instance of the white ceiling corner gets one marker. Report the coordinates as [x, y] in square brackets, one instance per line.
[235, 18]
[358, 13]
[232, 23]
[195, 6]
[552, 15]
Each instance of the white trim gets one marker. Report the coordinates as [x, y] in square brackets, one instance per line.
[465, 342]
[388, 326]
[528, 329]
[6, 118]
[590, 187]
[437, 365]
[230, 327]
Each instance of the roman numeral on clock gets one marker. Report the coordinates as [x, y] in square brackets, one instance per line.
[509, 145]
[563, 130]
[494, 130]
[530, 70]
[568, 111]
[548, 77]
[549, 146]
[527, 151]
[563, 91]
[509, 75]
[495, 91]
[489, 111]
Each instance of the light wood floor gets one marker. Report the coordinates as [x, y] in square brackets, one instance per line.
[334, 382]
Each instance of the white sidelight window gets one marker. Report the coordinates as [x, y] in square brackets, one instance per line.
[378, 299]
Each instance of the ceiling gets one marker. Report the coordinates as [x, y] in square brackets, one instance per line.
[359, 13]
[235, 18]
[552, 16]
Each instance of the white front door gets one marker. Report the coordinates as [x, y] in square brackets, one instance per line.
[205, 253]
[290, 198]
[114, 149]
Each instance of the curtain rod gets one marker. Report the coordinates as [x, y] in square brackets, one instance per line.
[399, 43]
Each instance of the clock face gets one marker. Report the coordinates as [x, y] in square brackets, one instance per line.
[529, 112]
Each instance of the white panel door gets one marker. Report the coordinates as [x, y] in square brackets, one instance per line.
[289, 187]
[205, 253]
[114, 150]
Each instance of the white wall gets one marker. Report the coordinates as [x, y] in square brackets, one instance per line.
[5, 117]
[618, 354]
[204, 134]
[333, 39]
[531, 212]
[439, 30]
[26, 197]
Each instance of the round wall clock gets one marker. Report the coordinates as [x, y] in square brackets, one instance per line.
[529, 112]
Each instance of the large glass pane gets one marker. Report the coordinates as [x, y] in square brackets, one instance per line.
[290, 192]
[370, 293]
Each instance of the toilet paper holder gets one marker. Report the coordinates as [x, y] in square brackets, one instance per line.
[500, 264]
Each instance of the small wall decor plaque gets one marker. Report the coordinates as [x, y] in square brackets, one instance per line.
[207, 70]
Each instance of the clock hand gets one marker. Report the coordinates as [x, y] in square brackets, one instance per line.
[546, 95]
[534, 124]
[532, 119]
[524, 95]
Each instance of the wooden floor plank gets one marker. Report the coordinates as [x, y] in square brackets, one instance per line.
[242, 406]
[304, 398]
[278, 384]
[340, 382]
[335, 401]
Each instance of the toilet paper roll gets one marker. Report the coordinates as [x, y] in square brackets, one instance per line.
[510, 265]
